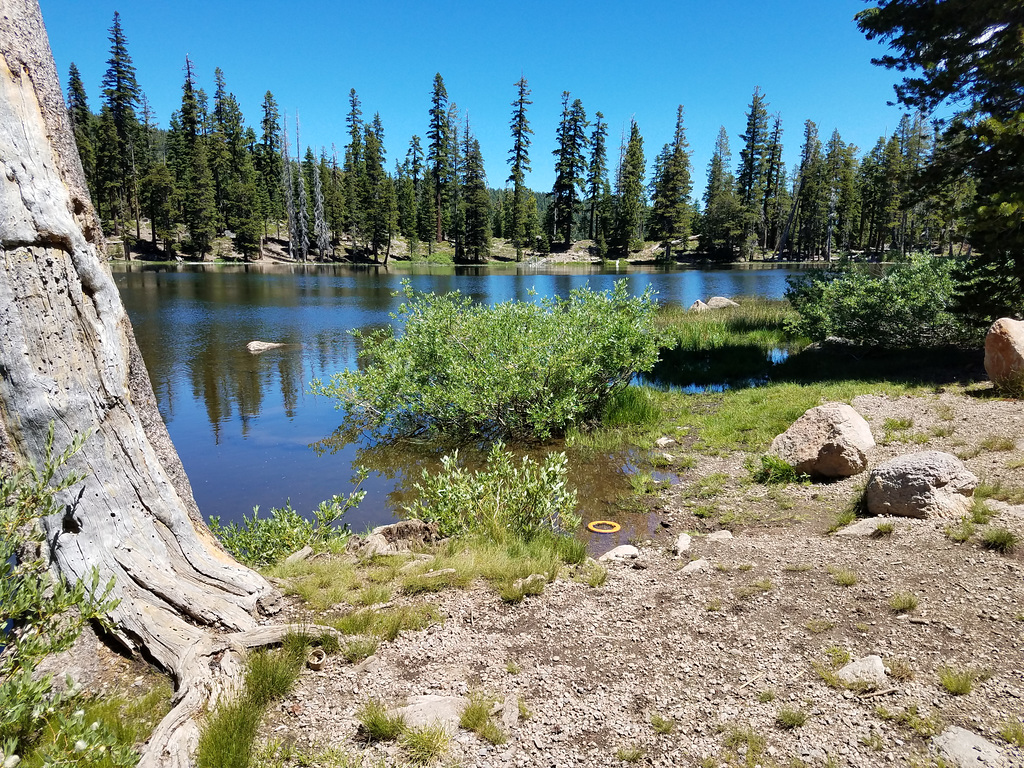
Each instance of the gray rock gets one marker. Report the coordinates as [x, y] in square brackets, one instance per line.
[510, 712]
[262, 346]
[697, 566]
[664, 442]
[965, 749]
[830, 440]
[301, 554]
[682, 544]
[396, 538]
[925, 485]
[699, 306]
[719, 536]
[865, 527]
[867, 670]
[720, 302]
[431, 709]
[621, 552]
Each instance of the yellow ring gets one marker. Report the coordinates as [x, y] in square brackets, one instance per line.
[603, 526]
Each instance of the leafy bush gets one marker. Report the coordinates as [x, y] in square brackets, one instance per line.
[501, 498]
[262, 541]
[518, 370]
[909, 305]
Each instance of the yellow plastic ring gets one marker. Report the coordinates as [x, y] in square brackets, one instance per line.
[603, 526]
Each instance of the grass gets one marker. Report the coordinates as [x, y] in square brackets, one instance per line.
[854, 508]
[375, 724]
[746, 742]
[758, 587]
[788, 719]
[707, 487]
[994, 489]
[817, 626]
[959, 681]
[900, 669]
[662, 725]
[999, 540]
[1013, 732]
[961, 532]
[385, 624]
[913, 719]
[903, 602]
[228, 736]
[512, 667]
[998, 443]
[897, 425]
[424, 744]
[359, 649]
[844, 577]
[798, 567]
[630, 754]
[883, 529]
[594, 575]
[766, 696]
[476, 717]
[774, 471]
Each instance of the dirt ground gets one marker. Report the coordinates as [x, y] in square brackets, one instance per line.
[720, 656]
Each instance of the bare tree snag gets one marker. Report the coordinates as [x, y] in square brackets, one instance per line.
[68, 357]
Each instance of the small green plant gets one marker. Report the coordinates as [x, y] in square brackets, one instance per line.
[745, 741]
[775, 471]
[662, 725]
[766, 696]
[476, 717]
[705, 511]
[903, 602]
[942, 430]
[958, 681]
[524, 711]
[630, 754]
[424, 744]
[897, 425]
[998, 443]
[758, 587]
[837, 656]
[999, 540]
[899, 669]
[1013, 732]
[359, 649]
[817, 626]
[707, 487]
[961, 532]
[595, 575]
[376, 724]
[788, 719]
[844, 577]
[512, 668]
[713, 605]
[913, 719]
[883, 529]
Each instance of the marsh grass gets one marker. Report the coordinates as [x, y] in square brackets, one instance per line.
[774, 471]
[127, 716]
[961, 532]
[744, 743]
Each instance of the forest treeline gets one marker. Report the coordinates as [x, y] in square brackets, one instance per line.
[210, 175]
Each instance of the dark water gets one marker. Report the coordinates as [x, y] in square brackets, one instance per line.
[245, 426]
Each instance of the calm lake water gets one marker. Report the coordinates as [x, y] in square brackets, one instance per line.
[248, 431]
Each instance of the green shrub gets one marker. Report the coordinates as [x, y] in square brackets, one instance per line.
[518, 370]
[908, 305]
[502, 498]
[260, 541]
[999, 540]
[775, 471]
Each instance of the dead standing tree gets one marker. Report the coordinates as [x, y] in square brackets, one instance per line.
[68, 357]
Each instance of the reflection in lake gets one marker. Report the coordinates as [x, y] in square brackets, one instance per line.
[246, 426]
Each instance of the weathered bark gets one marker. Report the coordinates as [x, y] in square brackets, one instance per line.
[68, 358]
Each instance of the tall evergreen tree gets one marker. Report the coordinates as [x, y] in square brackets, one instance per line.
[196, 187]
[720, 222]
[379, 202]
[519, 159]
[570, 165]
[355, 166]
[476, 201]
[439, 154]
[630, 212]
[301, 199]
[121, 96]
[775, 197]
[671, 187]
[751, 181]
[321, 232]
[268, 162]
[82, 125]
[597, 173]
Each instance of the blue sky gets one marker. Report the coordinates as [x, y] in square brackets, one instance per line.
[628, 60]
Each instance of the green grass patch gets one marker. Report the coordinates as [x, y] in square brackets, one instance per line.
[1013, 732]
[376, 724]
[903, 602]
[424, 744]
[999, 540]
[788, 718]
[632, 754]
[959, 681]
[476, 717]
[911, 718]
[662, 725]
[774, 471]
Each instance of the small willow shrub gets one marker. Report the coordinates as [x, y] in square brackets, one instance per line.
[506, 497]
[519, 370]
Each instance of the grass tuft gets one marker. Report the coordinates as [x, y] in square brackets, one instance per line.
[959, 681]
[662, 725]
[999, 540]
[375, 724]
[844, 577]
[424, 744]
[883, 529]
[788, 719]
[630, 754]
[903, 602]
[1013, 732]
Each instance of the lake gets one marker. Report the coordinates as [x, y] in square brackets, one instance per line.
[246, 428]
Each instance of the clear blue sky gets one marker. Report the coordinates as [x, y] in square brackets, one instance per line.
[627, 60]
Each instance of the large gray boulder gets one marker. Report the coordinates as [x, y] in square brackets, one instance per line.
[720, 302]
[830, 440]
[1004, 352]
[925, 485]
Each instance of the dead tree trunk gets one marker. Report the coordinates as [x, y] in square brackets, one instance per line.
[68, 357]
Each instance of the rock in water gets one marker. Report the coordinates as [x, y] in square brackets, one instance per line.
[262, 346]
[720, 302]
[830, 440]
[926, 484]
[1004, 352]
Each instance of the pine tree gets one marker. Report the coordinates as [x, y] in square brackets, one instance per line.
[671, 211]
[811, 203]
[320, 229]
[378, 200]
[476, 201]
[597, 172]
[630, 214]
[570, 165]
[354, 166]
[121, 96]
[720, 222]
[301, 199]
[439, 154]
[775, 197]
[268, 162]
[751, 181]
[196, 186]
[519, 159]
[82, 125]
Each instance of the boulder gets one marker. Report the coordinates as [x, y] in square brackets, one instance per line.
[1004, 352]
[965, 749]
[722, 535]
[621, 552]
[720, 302]
[699, 306]
[830, 440]
[664, 442]
[682, 544]
[926, 485]
[868, 671]
[262, 346]
[697, 566]
[445, 711]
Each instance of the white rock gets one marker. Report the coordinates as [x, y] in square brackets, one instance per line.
[664, 442]
[868, 670]
[719, 536]
[696, 566]
[262, 346]
[926, 484]
[830, 440]
[682, 544]
[699, 306]
[720, 302]
[430, 709]
[621, 552]
[965, 749]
